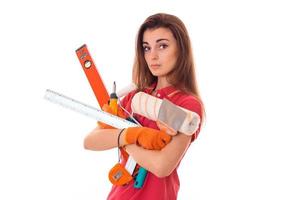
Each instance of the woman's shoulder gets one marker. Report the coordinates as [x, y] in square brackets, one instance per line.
[127, 98]
[186, 100]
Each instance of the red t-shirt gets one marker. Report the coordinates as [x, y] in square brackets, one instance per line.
[156, 188]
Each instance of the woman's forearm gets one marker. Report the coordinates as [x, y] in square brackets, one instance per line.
[103, 139]
[163, 162]
[148, 159]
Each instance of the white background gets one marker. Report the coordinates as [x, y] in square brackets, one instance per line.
[247, 56]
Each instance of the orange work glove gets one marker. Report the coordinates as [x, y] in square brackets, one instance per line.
[147, 138]
[108, 109]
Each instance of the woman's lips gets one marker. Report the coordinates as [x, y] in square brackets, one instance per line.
[155, 66]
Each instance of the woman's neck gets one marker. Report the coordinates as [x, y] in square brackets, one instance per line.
[162, 83]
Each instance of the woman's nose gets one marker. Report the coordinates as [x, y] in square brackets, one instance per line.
[153, 54]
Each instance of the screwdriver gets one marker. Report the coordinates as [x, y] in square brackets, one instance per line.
[113, 101]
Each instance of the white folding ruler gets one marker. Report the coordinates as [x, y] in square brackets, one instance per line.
[93, 113]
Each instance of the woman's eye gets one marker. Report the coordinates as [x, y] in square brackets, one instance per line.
[145, 48]
[163, 46]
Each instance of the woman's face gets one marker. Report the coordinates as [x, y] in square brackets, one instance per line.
[160, 51]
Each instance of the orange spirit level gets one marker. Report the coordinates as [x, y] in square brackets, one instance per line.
[92, 75]
[118, 174]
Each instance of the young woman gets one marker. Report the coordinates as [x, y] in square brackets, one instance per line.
[163, 68]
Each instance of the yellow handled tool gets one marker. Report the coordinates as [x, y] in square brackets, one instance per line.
[113, 101]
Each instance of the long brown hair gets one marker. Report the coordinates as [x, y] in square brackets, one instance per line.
[183, 74]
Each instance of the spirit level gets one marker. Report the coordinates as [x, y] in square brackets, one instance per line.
[102, 96]
[92, 75]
